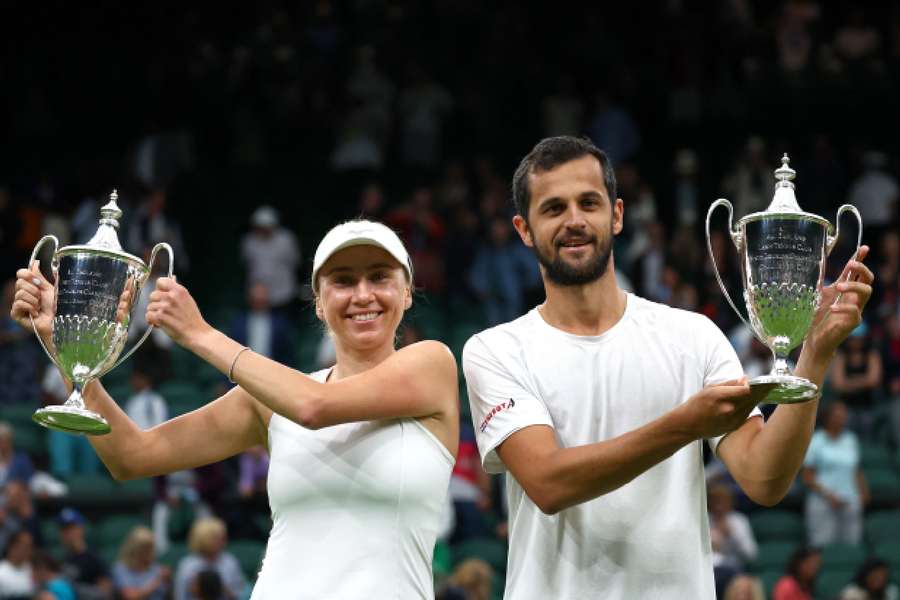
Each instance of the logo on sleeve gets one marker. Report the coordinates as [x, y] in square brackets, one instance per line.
[494, 411]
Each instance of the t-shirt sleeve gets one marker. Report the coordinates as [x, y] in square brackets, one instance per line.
[722, 364]
[500, 403]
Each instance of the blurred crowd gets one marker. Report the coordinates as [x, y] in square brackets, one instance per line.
[239, 143]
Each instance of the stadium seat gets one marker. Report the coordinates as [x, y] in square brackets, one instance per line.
[830, 582]
[182, 392]
[175, 552]
[884, 486]
[17, 415]
[31, 438]
[442, 560]
[889, 552]
[489, 550]
[875, 456]
[882, 526]
[777, 525]
[774, 556]
[498, 586]
[249, 554]
[842, 556]
[112, 531]
[769, 578]
[90, 489]
[50, 532]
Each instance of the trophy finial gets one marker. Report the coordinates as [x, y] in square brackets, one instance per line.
[111, 213]
[785, 174]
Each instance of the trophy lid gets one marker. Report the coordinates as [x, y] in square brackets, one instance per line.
[784, 202]
[107, 236]
[106, 239]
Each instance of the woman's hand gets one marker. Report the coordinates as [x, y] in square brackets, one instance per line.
[173, 310]
[34, 300]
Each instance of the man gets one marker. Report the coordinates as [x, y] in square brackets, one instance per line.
[596, 403]
[81, 566]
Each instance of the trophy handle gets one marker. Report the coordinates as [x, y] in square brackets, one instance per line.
[34, 253]
[831, 240]
[153, 253]
[737, 238]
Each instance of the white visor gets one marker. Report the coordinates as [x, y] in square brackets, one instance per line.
[360, 233]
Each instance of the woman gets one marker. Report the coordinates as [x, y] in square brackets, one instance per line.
[16, 580]
[872, 582]
[137, 575]
[799, 582]
[207, 541]
[361, 453]
[856, 376]
[838, 490]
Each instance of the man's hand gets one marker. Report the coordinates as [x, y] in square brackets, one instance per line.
[719, 409]
[840, 308]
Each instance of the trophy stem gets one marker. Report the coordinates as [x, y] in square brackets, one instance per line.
[73, 416]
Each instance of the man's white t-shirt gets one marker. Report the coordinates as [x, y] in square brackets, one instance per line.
[647, 539]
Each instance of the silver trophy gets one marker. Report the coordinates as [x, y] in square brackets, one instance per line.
[782, 252]
[95, 287]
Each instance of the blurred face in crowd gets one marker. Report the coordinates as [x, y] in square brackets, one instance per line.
[571, 222]
[363, 293]
[72, 535]
[17, 498]
[720, 502]
[21, 548]
[877, 579]
[809, 568]
[837, 418]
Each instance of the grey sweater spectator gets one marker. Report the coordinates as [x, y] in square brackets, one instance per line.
[271, 255]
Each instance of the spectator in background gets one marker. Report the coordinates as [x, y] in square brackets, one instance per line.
[10, 227]
[563, 109]
[50, 582]
[137, 575]
[837, 487]
[502, 272]
[69, 454]
[81, 565]
[271, 255]
[471, 580]
[687, 197]
[16, 579]
[799, 582]
[890, 354]
[20, 512]
[145, 407]
[463, 241]
[14, 464]
[207, 586]
[262, 330]
[422, 108]
[422, 231]
[19, 357]
[151, 225]
[856, 377]
[872, 582]
[470, 488]
[612, 128]
[732, 539]
[154, 357]
[745, 587]
[749, 184]
[207, 542]
[875, 193]
[254, 498]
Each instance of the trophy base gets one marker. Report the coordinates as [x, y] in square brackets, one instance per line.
[71, 419]
[787, 389]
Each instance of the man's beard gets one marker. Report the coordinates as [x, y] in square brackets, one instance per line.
[562, 273]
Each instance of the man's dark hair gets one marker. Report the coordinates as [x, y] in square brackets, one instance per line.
[548, 154]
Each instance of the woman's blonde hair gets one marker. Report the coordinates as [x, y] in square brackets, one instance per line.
[138, 540]
[474, 576]
[204, 533]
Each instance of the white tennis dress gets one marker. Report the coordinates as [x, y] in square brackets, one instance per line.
[356, 510]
